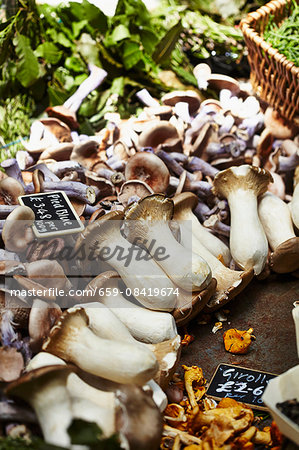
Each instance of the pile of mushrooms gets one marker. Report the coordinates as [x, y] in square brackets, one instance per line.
[213, 184]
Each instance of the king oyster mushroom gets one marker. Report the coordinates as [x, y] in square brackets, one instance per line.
[106, 325]
[141, 275]
[147, 221]
[45, 390]
[148, 167]
[72, 340]
[241, 186]
[294, 205]
[276, 219]
[183, 205]
[229, 282]
[144, 324]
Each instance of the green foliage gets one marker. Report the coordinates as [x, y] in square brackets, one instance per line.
[45, 50]
[285, 38]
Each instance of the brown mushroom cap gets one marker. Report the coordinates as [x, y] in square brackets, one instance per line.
[59, 152]
[279, 127]
[86, 153]
[187, 308]
[65, 329]
[219, 82]
[138, 418]
[64, 114]
[148, 167]
[153, 207]
[31, 381]
[60, 130]
[190, 97]
[98, 231]
[242, 177]
[184, 202]
[10, 190]
[17, 232]
[41, 319]
[11, 364]
[237, 286]
[133, 188]
[157, 133]
[285, 258]
[168, 354]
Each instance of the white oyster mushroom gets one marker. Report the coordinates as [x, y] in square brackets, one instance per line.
[294, 205]
[183, 205]
[242, 186]
[72, 340]
[139, 275]
[143, 324]
[147, 221]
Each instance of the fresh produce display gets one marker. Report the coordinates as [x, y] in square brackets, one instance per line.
[45, 51]
[137, 193]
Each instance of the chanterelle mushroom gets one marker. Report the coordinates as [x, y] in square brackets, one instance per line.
[148, 167]
[241, 186]
[147, 221]
[277, 223]
[17, 232]
[45, 390]
[71, 339]
[140, 273]
[183, 205]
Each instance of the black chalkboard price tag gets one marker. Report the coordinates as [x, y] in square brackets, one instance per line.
[242, 384]
[54, 214]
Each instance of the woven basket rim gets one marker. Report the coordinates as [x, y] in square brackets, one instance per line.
[248, 24]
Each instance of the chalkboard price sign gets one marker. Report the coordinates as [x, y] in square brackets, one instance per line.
[242, 384]
[54, 214]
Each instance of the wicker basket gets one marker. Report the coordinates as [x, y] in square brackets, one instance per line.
[273, 77]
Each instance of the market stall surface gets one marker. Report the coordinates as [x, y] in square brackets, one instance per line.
[266, 306]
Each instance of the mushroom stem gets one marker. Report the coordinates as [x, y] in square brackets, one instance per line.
[153, 213]
[229, 282]
[12, 169]
[73, 189]
[276, 219]
[71, 339]
[145, 97]
[196, 164]
[95, 78]
[294, 205]
[183, 204]
[138, 270]
[60, 167]
[45, 390]
[241, 186]
[47, 173]
[214, 223]
[144, 324]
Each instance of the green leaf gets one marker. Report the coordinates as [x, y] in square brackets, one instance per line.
[167, 44]
[49, 52]
[88, 433]
[78, 26]
[75, 63]
[28, 67]
[185, 75]
[94, 16]
[131, 54]
[149, 40]
[119, 33]
[118, 86]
